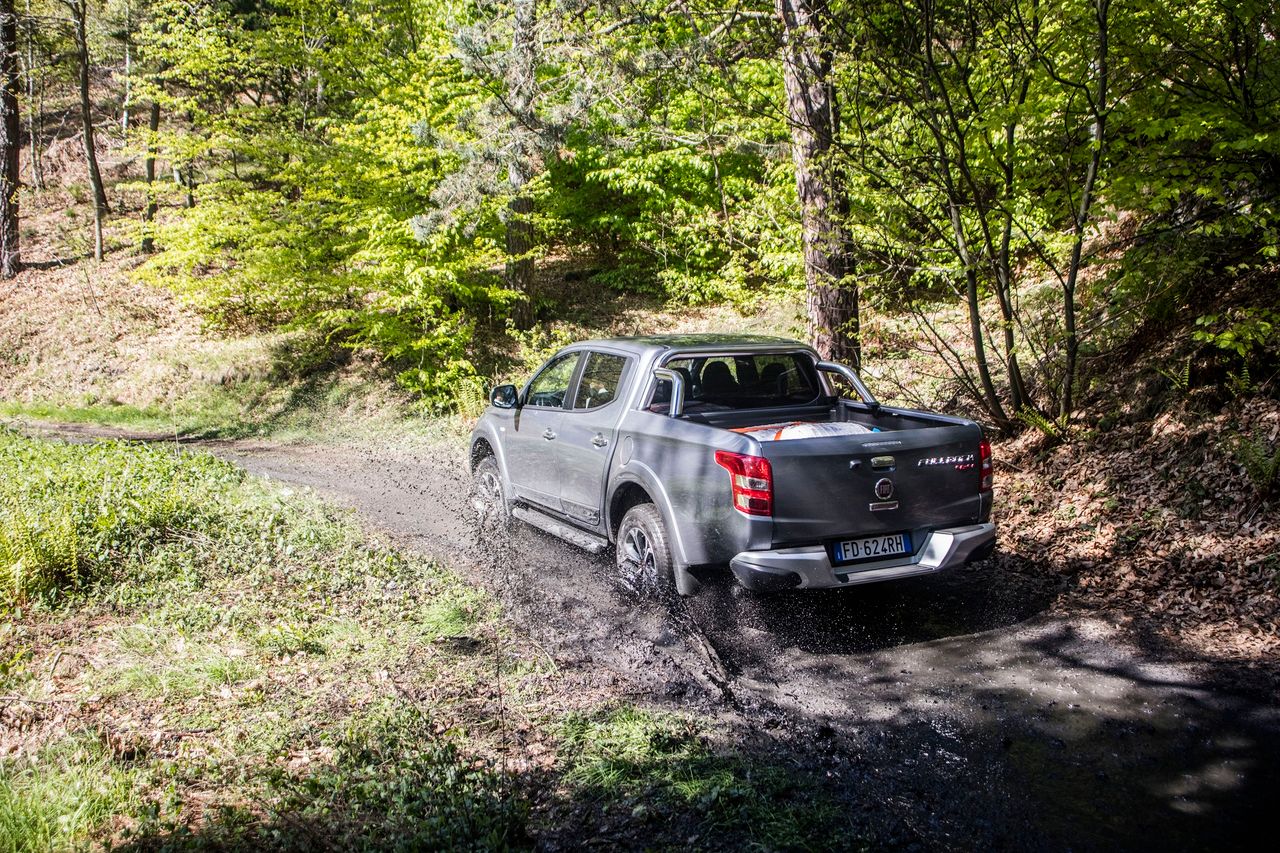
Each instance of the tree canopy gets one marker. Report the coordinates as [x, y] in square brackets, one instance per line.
[1064, 170]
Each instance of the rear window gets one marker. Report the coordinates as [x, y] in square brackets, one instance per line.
[728, 382]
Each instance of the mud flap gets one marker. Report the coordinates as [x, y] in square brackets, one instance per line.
[686, 583]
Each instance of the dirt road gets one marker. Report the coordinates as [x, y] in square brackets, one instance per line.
[951, 712]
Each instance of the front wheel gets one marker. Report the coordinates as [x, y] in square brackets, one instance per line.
[488, 497]
[643, 555]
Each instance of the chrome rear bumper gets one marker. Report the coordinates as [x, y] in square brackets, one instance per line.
[810, 567]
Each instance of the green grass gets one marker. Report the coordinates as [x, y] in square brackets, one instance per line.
[662, 767]
[74, 517]
[56, 801]
[236, 650]
[148, 419]
[449, 617]
[160, 662]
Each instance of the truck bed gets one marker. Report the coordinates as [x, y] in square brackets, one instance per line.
[825, 487]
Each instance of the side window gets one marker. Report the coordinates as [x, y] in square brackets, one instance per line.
[549, 387]
[600, 380]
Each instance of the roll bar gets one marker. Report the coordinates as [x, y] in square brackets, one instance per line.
[676, 408]
[852, 377]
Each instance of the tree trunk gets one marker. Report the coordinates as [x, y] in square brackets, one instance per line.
[1098, 104]
[10, 142]
[521, 92]
[80, 13]
[149, 170]
[831, 292]
[992, 405]
[187, 178]
[35, 106]
[128, 71]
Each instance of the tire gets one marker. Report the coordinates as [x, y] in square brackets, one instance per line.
[643, 553]
[488, 496]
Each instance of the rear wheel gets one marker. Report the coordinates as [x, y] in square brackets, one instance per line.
[488, 496]
[643, 553]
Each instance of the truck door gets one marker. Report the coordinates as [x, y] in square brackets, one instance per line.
[588, 433]
[531, 443]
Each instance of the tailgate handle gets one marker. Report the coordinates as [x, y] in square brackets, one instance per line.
[882, 463]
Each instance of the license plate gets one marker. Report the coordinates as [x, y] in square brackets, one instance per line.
[870, 548]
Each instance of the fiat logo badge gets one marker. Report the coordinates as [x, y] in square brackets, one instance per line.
[884, 489]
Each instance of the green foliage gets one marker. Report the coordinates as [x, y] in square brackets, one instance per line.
[537, 345]
[1248, 333]
[351, 168]
[290, 637]
[315, 224]
[39, 554]
[1181, 379]
[1051, 429]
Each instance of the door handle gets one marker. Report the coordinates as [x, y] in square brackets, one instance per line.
[549, 435]
[600, 440]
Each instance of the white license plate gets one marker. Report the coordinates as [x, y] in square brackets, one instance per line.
[870, 548]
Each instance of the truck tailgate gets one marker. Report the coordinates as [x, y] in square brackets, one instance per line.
[825, 488]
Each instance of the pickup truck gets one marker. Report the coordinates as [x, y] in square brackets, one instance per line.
[692, 453]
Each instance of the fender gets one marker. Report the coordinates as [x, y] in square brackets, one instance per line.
[643, 476]
[487, 432]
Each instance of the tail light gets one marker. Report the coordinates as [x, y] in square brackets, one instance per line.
[752, 479]
[984, 452]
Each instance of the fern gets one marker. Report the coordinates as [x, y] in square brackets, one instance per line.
[1051, 428]
[1242, 383]
[39, 553]
[1181, 381]
[470, 397]
[1261, 462]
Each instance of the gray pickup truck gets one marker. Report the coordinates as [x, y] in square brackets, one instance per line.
[690, 453]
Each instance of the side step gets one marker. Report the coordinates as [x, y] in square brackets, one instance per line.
[581, 538]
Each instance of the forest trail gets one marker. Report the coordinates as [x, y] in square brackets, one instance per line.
[959, 709]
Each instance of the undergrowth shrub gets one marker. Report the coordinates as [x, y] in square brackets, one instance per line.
[71, 515]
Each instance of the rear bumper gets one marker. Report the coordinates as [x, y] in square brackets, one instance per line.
[810, 567]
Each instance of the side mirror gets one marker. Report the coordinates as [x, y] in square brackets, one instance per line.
[505, 397]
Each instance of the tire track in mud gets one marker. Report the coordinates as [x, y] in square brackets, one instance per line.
[953, 711]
